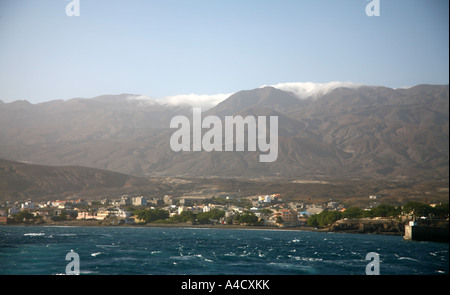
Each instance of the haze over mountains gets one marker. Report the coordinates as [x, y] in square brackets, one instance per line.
[363, 132]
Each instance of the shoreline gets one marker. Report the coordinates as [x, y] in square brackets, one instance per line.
[89, 223]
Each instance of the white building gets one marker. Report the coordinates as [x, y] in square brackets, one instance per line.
[139, 201]
[28, 205]
[13, 210]
[119, 213]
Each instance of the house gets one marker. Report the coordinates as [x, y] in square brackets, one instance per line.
[192, 200]
[13, 210]
[28, 205]
[86, 215]
[119, 213]
[139, 201]
[168, 200]
[102, 214]
[6, 220]
[289, 216]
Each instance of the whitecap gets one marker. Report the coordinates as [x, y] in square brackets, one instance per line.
[96, 254]
[34, 234]
[408, 258]
[67, 235]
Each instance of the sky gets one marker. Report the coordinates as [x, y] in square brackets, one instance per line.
[208, 49]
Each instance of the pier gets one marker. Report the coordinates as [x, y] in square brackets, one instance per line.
[416, 232]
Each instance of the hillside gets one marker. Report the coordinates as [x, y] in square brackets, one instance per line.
[365, 132]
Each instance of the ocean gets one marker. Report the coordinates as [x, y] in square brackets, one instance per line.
[42, 250]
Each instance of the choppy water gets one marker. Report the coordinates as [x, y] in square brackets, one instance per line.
[125, 250]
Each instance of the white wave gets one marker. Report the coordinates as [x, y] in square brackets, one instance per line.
[34, 234]
[304, 258]
[408, 258]
[96, 254]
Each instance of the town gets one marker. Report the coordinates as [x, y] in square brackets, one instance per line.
[263, 210]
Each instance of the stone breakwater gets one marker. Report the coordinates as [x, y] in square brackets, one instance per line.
[366, 226]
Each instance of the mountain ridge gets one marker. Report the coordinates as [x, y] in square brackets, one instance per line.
[364, 131]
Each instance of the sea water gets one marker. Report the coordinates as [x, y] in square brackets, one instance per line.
[42, 250]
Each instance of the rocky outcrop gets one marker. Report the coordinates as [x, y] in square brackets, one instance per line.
[367, 225]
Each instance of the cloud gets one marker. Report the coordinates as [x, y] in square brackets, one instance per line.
[309, 89]
[204, 101]
[143, 99]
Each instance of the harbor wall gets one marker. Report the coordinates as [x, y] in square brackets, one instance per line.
[426, 233]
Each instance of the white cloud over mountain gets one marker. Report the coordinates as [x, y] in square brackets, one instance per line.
[302, 90]
[309, 89]
[204, 101]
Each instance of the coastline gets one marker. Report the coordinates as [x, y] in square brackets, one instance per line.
[92, 223]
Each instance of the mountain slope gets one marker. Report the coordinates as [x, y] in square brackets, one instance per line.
[22, 181]
[359, 132]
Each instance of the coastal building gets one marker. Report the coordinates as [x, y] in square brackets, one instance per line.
[84, 215]
[102, 214]
[139, 201]
[191, 200]
[28, 205]
[168, 200]
[13, 210]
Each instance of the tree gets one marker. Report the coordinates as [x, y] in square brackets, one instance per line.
[324, 218]
[205, 217]
[279, 220]
[152, 214]
[185, 216]
[384, 210]
[353, 212]
[247, 218]
[416, 208]
[266, 211]
[22, 216]
[441, 210]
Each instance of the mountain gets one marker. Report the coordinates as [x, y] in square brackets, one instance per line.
[267, 97]
[22, 181]
[366, 132]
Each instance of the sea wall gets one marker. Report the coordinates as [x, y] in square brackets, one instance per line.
[426, 233]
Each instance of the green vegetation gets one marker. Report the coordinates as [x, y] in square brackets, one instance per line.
[247, 218]
[152, 214]
[326, 218]
[420, 209]
[23, 215]
[206, 217]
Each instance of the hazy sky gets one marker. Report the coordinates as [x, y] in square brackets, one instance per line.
[165, 47]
